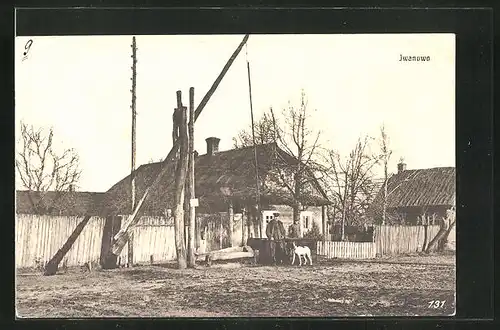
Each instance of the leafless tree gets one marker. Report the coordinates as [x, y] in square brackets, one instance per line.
[296, 137]
[40, 168]
[351, 183]
[264, 133]
[295, 167]
[385, 155]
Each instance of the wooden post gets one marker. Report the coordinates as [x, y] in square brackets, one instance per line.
[260, 220]
[53, 264]
[221, 229]
[134, 61]
[132, 171]
[243, 226]
[255, 222]
[301, 222]
[324, 218]
[231, 223]
[192, 211]
[107, 239]
[180, 180]
[197, 232]
[130, 254]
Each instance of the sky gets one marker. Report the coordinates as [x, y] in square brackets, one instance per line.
[80, 86]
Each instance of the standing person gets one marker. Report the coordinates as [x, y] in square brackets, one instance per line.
[275, 232]
[293, 230]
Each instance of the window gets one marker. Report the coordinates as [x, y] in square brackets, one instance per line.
[267, 215]
[306, 217]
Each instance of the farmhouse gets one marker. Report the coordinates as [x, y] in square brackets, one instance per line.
[225, 181]
[413, 195]
[64, 203]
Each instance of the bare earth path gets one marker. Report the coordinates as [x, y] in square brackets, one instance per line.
[391, 287]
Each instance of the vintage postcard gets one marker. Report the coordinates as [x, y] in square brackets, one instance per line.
[235, 175]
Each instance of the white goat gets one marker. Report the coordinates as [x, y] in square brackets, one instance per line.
[301, 251]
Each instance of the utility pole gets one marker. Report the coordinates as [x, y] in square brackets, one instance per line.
[132, 173]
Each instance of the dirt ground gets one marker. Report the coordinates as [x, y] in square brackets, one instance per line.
[384, 287]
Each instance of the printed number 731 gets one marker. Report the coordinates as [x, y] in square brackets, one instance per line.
[436, 303]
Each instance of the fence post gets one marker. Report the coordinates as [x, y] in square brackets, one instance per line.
[220, 231]
[131, 248]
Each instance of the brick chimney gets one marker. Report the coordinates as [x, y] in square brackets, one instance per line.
[401, 167]
[212, 145]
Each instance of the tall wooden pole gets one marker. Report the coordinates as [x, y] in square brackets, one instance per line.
[180, 120]
[132, 175]
[257, 180]
[192, 211]
[132, 172]
[120, 237]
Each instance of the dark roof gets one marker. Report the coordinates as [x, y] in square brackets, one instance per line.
[234, 169]
[421, 187]
[70, 203]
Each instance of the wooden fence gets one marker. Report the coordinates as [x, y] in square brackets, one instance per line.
[389, 240]
[39, 237]
[346, 250]
[394, 240]
[153, 243]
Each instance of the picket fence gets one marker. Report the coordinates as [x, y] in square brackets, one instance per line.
[394, 240]
[346, 250]
[153, 243]
[38, 238]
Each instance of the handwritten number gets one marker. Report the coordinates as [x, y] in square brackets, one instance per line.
[27, 48]
[436, 304]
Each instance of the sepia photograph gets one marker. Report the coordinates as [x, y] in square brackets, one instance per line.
[257, 175]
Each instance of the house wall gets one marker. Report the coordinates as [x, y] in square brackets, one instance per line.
[286, 217]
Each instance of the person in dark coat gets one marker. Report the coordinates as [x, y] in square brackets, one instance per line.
[276, 233]
[293, 230]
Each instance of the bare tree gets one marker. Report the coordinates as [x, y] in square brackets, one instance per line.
[350, 182]
[40, 168]
[264, 133]
[299, 141]
[298, 147]
[385, 155]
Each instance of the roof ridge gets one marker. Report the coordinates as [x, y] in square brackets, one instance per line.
[242, 148]
[429, 168]
[217, 153]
